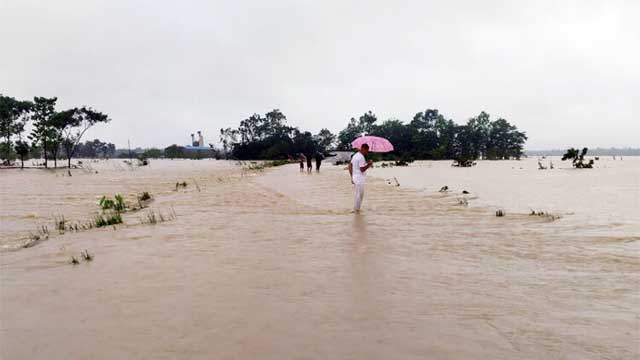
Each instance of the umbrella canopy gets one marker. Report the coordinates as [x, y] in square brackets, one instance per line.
[376, 144]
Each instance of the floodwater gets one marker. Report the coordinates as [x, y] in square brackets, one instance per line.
[604, 200]
[271, 264]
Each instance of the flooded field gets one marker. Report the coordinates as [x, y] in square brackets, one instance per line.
[271, 264]
[604, 200]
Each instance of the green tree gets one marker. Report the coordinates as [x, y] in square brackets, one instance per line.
[228, 138]
[13, 116]
[465, 147]
[325, 140]
[505, 141]
[479, 128]
[174, 152]
[355, 128]
[22, 149]
[43, 133]
[446, 131]
[72, 124]
[152, 154]
[424, 133]
[398, 134]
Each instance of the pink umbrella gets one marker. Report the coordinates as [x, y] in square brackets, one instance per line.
[376, 144]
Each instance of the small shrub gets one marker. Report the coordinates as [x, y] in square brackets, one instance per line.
[74, 260]
[578, 158]
[500, 213]
[145, 196]
[111, 218]
[181, 185]
[117, 203]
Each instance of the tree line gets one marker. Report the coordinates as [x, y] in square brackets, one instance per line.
[53, 133]
[429, 135]
[269, 137]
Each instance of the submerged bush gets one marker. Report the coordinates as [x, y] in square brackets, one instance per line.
[578, 159]
[145, 196]
[111, 218]
[181, 185]
[117, 203]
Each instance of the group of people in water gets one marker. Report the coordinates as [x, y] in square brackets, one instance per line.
[308, 159]
[358, 166]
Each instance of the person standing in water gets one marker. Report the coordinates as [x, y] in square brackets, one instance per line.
[319, 157]
[357, 169]
[301, 159]
[309, 166]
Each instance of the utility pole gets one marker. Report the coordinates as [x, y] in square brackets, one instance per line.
[129, 142]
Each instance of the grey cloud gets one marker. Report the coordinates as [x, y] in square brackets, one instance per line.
[564, 71]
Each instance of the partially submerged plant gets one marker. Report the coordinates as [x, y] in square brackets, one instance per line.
[463, 201]
[60, 224]
[144, 199]
[152, 218]
[110, 218]
[578, 159]
[181, 185]
[74, 260]
[86, 256]
[117, 203]
[546, 215]
[144, 196]
[500, 213]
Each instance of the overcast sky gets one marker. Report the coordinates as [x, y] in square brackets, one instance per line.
[566, 72]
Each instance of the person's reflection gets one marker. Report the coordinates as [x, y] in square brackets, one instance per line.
[366, 282]
[359, 229]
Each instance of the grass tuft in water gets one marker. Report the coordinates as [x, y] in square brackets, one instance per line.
[109, 218]
[61, 223]
[181, 185]
[545, 215]
[86, 256]
[152, 217]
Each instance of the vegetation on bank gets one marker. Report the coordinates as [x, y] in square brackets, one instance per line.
[53, 133]
[429, 135]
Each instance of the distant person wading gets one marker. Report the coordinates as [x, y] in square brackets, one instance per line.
[319, 157]
[309, 166]
[302, 159]
[357, 169]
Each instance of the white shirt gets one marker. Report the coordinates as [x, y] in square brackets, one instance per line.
[358, 161]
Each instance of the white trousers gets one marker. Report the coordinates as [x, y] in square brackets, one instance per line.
[359, 195]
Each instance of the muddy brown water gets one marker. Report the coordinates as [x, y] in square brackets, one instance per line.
[273, 265]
